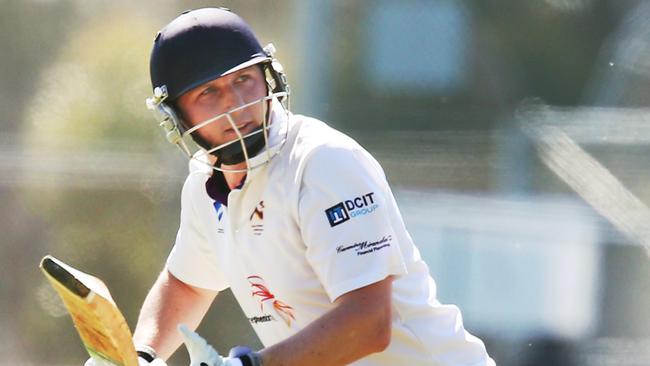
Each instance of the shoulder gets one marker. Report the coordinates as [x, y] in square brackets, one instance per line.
[325, 150]
[199, 170]
[314, 133]
[194, 185]
[315, 137]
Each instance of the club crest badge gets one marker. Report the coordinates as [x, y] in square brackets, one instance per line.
[257, 219]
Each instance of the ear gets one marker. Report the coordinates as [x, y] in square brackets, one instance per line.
[180, 115]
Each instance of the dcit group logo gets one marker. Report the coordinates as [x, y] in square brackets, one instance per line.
[345, 210]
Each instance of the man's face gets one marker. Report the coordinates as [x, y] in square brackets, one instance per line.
[221, 95]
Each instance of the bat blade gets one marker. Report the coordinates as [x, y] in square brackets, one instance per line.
[99, 322]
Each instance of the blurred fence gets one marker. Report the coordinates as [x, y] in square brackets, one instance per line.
[514, 134]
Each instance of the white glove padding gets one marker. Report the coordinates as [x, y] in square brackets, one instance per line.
[201, 353]
[141, 362]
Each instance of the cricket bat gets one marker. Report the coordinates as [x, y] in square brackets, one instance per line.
[100, 324]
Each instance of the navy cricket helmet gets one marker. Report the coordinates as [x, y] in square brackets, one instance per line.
[202, 45]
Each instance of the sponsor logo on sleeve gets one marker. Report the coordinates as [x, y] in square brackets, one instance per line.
[367, 246]
[337, 214]
[355, 207]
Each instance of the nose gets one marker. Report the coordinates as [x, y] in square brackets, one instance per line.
[232, 98]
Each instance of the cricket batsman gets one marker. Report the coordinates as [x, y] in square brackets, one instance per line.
[296, 218]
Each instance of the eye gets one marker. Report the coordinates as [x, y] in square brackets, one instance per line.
[207, 90]
[242, 78]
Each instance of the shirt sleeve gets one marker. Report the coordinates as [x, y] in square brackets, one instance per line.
[193, 258]
[345, 220]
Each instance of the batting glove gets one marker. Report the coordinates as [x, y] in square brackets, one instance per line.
[203, 354]
[246, 355]
[141, 362]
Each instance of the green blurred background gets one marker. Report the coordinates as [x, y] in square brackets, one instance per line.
[537, 234]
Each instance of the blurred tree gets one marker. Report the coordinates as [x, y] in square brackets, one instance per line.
[88, 105]
[90, 97]
[553, 48]
[31, 34]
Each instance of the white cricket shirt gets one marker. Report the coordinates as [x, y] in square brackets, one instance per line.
[319, 220]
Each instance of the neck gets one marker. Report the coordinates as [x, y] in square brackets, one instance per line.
[234, 179]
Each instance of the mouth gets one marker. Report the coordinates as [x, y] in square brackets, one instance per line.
[241, 127]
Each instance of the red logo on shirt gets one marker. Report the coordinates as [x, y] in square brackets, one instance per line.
[260, 290]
